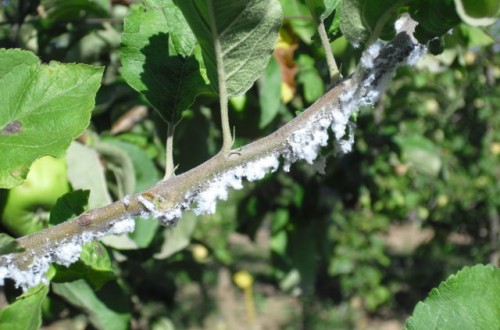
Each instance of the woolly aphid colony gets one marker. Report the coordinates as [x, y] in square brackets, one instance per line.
[362, 89]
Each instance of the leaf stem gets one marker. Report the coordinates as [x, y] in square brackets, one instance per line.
[169, 152]
[330, 60]
[227, 139]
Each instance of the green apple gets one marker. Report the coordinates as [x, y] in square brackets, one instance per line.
[27, 206]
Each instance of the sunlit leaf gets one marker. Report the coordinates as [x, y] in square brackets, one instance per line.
[69, 206]
[478, 12]
[469, 299]
[321, 9]
[94, 266]
[434, 18]
[309, 78]
[421, 153]
[360, 19]
[8, 245]
[159, 56]
[304, 26]
[43, 107]
[25, 313]
[269, 91]
[178, 238]
[56, 10]
[106, 309]
[85, 171]
[146, 174]
[144, 232]
[246, 32]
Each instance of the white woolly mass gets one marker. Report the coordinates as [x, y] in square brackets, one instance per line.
[370, 54]
[126, 200]
[306, 143]
[66, 253]
[416, 54]
[217, 190]
[126, 225]
[206, 200]
[25, 279]
[339, 124]
[344, 146]
[166, 215]
[399, 24]
[149, 205]
[171, 216]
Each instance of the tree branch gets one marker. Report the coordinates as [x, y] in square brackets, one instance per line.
[301, 138]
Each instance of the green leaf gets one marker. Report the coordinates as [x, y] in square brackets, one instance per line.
[434, 18]
[302, 249]
[321, 9]
[421, 153]
[119, 163]
[178, 237]
[8, 245]
[26, 311]
[69, 206]
[475, 36]
[279, 238]
[269, 93]
[141, 237]
[163, 323]
[361, 18]
[146, 174]
[247, 32]
[85, 171]
[44, 107]
[159, 55]
[94, 266]
[478, 12]
[57, 10]
[94, 45]
[107, 309]
[144, 232]
[304, 28]
[469, 299]
[309, 78]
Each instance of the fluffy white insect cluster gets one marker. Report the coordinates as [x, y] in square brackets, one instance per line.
[205, 199]
[66, 253]
[373, 72]
[166, 215]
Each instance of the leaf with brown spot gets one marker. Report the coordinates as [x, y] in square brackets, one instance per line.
[14, 127]
[42, 109]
